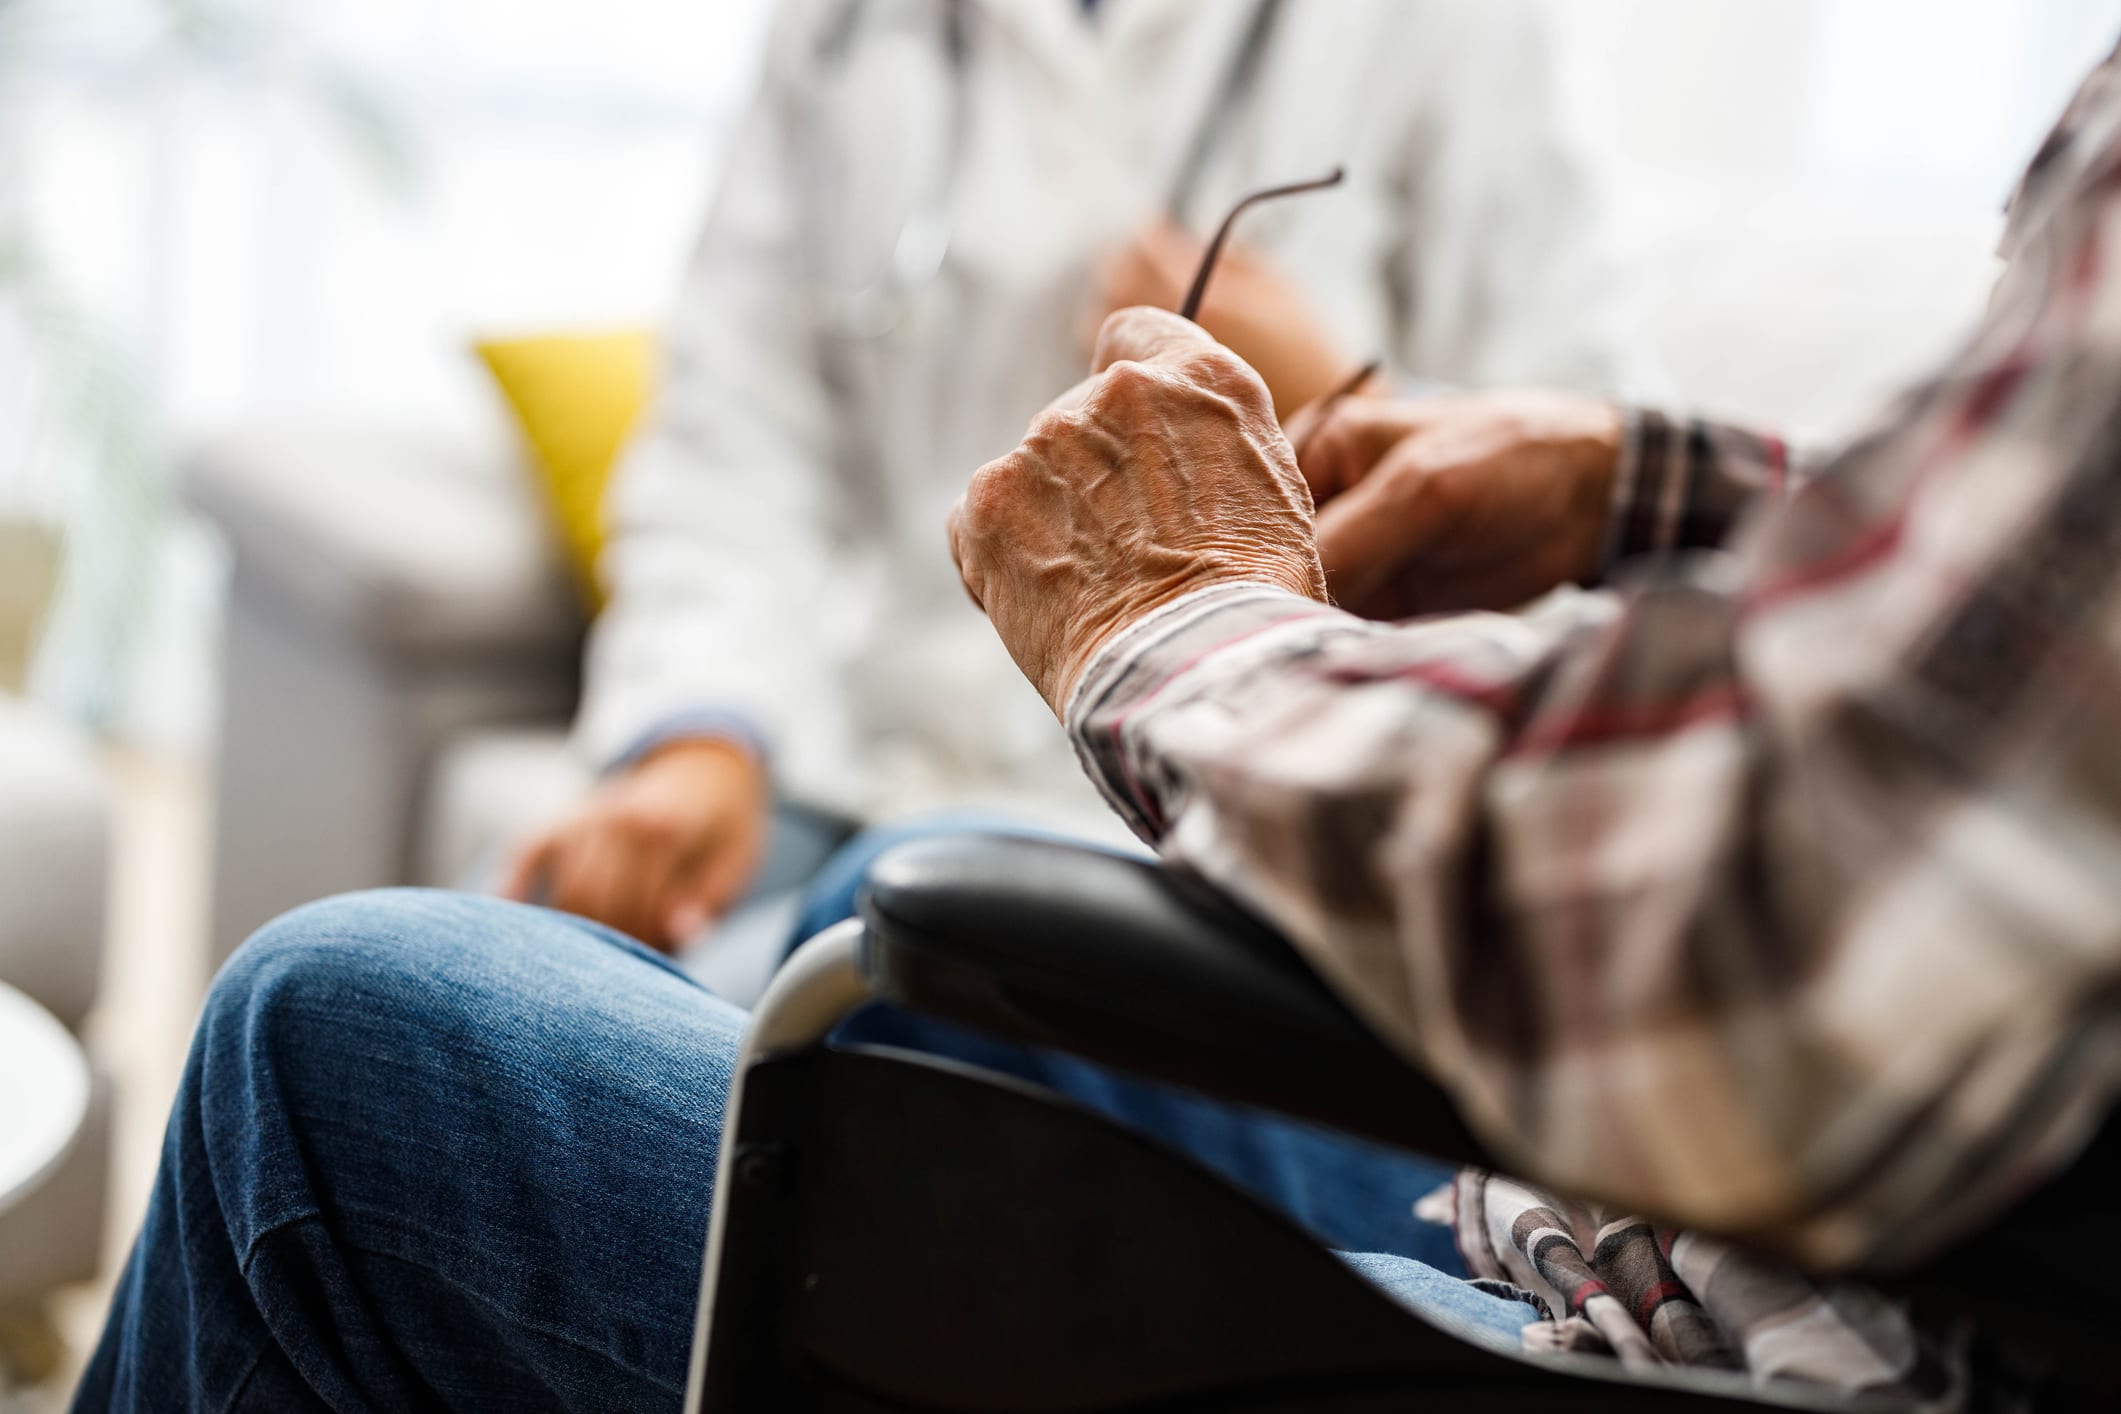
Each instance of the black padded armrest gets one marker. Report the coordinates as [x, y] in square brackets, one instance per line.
[1140, 968]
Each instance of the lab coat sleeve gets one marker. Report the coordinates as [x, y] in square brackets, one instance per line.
[1507, 265]
[719, 560]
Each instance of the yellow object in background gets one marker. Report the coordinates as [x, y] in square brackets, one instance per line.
[577, 398]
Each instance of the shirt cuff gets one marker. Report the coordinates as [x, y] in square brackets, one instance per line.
[1139, 662]
[721, 724]
[1643, 481]
[1683, 484]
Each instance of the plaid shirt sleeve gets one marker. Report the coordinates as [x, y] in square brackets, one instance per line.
[1776, 891]
[1684, 485]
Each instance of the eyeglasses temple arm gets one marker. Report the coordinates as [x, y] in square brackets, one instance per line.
[1191, 308]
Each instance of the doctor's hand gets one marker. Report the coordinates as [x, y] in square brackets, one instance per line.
[1169, 473]
[658, 851]
[1251, 306]
[1475, 501]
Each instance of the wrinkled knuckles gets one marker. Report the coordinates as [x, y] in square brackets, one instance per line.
[1126, 332]
[992, 495]
[348, 936]
[1223, 373]
[1051, 428]
[1127, 390]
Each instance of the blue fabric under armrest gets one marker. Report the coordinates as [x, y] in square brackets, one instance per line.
[1141, 968]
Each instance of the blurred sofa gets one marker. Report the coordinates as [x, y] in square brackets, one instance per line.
[403, 643]
[398, 617]
[55, 847]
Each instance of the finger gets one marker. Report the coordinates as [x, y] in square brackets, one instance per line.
[570, 885]
[1354, 384]
[1376, 530]
[652, 894]
[686, 919]
[710, 886]
[967, 575]
[1141, 334]
[526, 878]
[1303, 424]
[729, 876]
[1308, 430]
[1334, 448]
[600, 882]
[1355, 436]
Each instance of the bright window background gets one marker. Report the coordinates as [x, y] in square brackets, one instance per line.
[320, 208]
[267, 207]
[316, 204]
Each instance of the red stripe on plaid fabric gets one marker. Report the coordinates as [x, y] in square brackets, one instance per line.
[1778, 452]
[1446, 678]
[1603, 726]
[1866, 551]
[1991, 393]
[1656, 1296]
[1131, 781]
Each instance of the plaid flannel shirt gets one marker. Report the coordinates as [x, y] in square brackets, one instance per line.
[1614, 1284]
[1774, 888]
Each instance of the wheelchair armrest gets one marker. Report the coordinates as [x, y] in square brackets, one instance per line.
[1141, 968]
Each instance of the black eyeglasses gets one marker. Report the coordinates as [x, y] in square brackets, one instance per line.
[1209, 257]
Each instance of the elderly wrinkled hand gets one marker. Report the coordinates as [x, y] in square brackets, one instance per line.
[1473, 501]
[1166, 474]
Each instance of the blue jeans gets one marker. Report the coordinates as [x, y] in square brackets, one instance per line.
[439, 1151]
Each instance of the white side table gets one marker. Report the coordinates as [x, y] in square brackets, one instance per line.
[43, 1095]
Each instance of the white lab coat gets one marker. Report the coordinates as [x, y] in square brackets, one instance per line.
[777, 533]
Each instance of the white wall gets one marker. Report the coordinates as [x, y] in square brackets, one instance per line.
[227, 216]
[1812, 189]
[1942, 94]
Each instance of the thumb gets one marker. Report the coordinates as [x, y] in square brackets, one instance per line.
[1141, 334]
[693, 899]
[716, 881]
[686, 920]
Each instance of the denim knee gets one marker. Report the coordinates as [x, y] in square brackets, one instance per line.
[420, 982]
[350, 931]
[339, 947]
